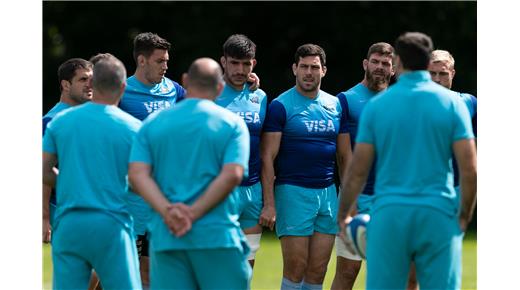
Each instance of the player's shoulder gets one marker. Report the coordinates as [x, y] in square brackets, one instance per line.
[468, 97]
[223, 115]
[326, 96]
[60, 106]
[126, 119]
[285, 96]
[63, 116]
[259, 93]
[170, 83]
[356, 94]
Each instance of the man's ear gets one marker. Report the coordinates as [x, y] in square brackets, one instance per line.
[141, 60]
[185, 81]
[65, 85]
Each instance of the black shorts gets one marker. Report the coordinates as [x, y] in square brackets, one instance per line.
[142, 245]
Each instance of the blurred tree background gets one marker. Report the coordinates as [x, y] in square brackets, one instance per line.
[344, 29]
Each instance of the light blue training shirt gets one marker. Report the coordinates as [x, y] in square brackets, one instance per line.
[354, 100]
[140, 100]
[206, 138]
[412, 126]
[251, 107]
[92, 143]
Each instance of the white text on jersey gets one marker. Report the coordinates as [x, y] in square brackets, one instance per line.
[319, 125]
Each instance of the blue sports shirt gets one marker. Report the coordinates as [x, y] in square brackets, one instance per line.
[354, 100]
[412, 126]
[309, 127]
[206, 138]
[140, 100]
[60, 106]
[92, 143]
[471, 103]
[251, 107]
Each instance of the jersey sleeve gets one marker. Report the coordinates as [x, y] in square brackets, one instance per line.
[275, 117]
[237, 148]
[462, 122]
[48, 144]
[343, 128]
[263, 108]
[140, 151]
[365, 132]
[45, 121]
[181, 92]
[474, 116]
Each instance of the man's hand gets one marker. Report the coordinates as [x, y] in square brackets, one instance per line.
[46, 230]
[255, 80]
[179, 218]
[342, 224]
[268, 217]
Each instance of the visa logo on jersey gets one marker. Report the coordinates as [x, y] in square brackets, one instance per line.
[320, 126]
[156, 105]
[249, 117]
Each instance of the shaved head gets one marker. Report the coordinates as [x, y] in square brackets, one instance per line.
[205, 74]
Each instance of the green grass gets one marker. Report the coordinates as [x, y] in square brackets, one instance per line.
[268, 266]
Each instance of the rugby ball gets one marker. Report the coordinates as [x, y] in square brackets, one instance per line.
[356, 233]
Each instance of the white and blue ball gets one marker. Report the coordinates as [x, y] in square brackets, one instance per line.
[356, 233]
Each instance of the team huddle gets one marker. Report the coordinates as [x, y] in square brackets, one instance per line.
[150, 184]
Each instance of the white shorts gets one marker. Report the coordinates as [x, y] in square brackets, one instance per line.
[342, 251]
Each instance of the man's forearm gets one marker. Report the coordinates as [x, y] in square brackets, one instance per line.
[145, 186]
[468, 195]
[217, 191]
[267, 179]
[350, 190]
[46, 200]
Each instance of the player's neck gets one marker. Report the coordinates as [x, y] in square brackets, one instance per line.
[370, 88]
[104, 99]
[67, 100]
[234, 87]
[139, 75]
[192, 93]
[309, 94]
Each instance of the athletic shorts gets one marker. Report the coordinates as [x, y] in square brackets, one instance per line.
[364, 203]
[89, 239]
[341, 250]
[221, 268]
[400, 234]
[249, 204]
[302, 211]
[142, 243]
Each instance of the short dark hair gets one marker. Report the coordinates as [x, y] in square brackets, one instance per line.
[67, 70]
[414, 49]
[96, 58]
[239, 46]
[145, 43]
[109, 74]
[381, 48]
[310, 49]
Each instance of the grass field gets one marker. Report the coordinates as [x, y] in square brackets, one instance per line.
[268, 268]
